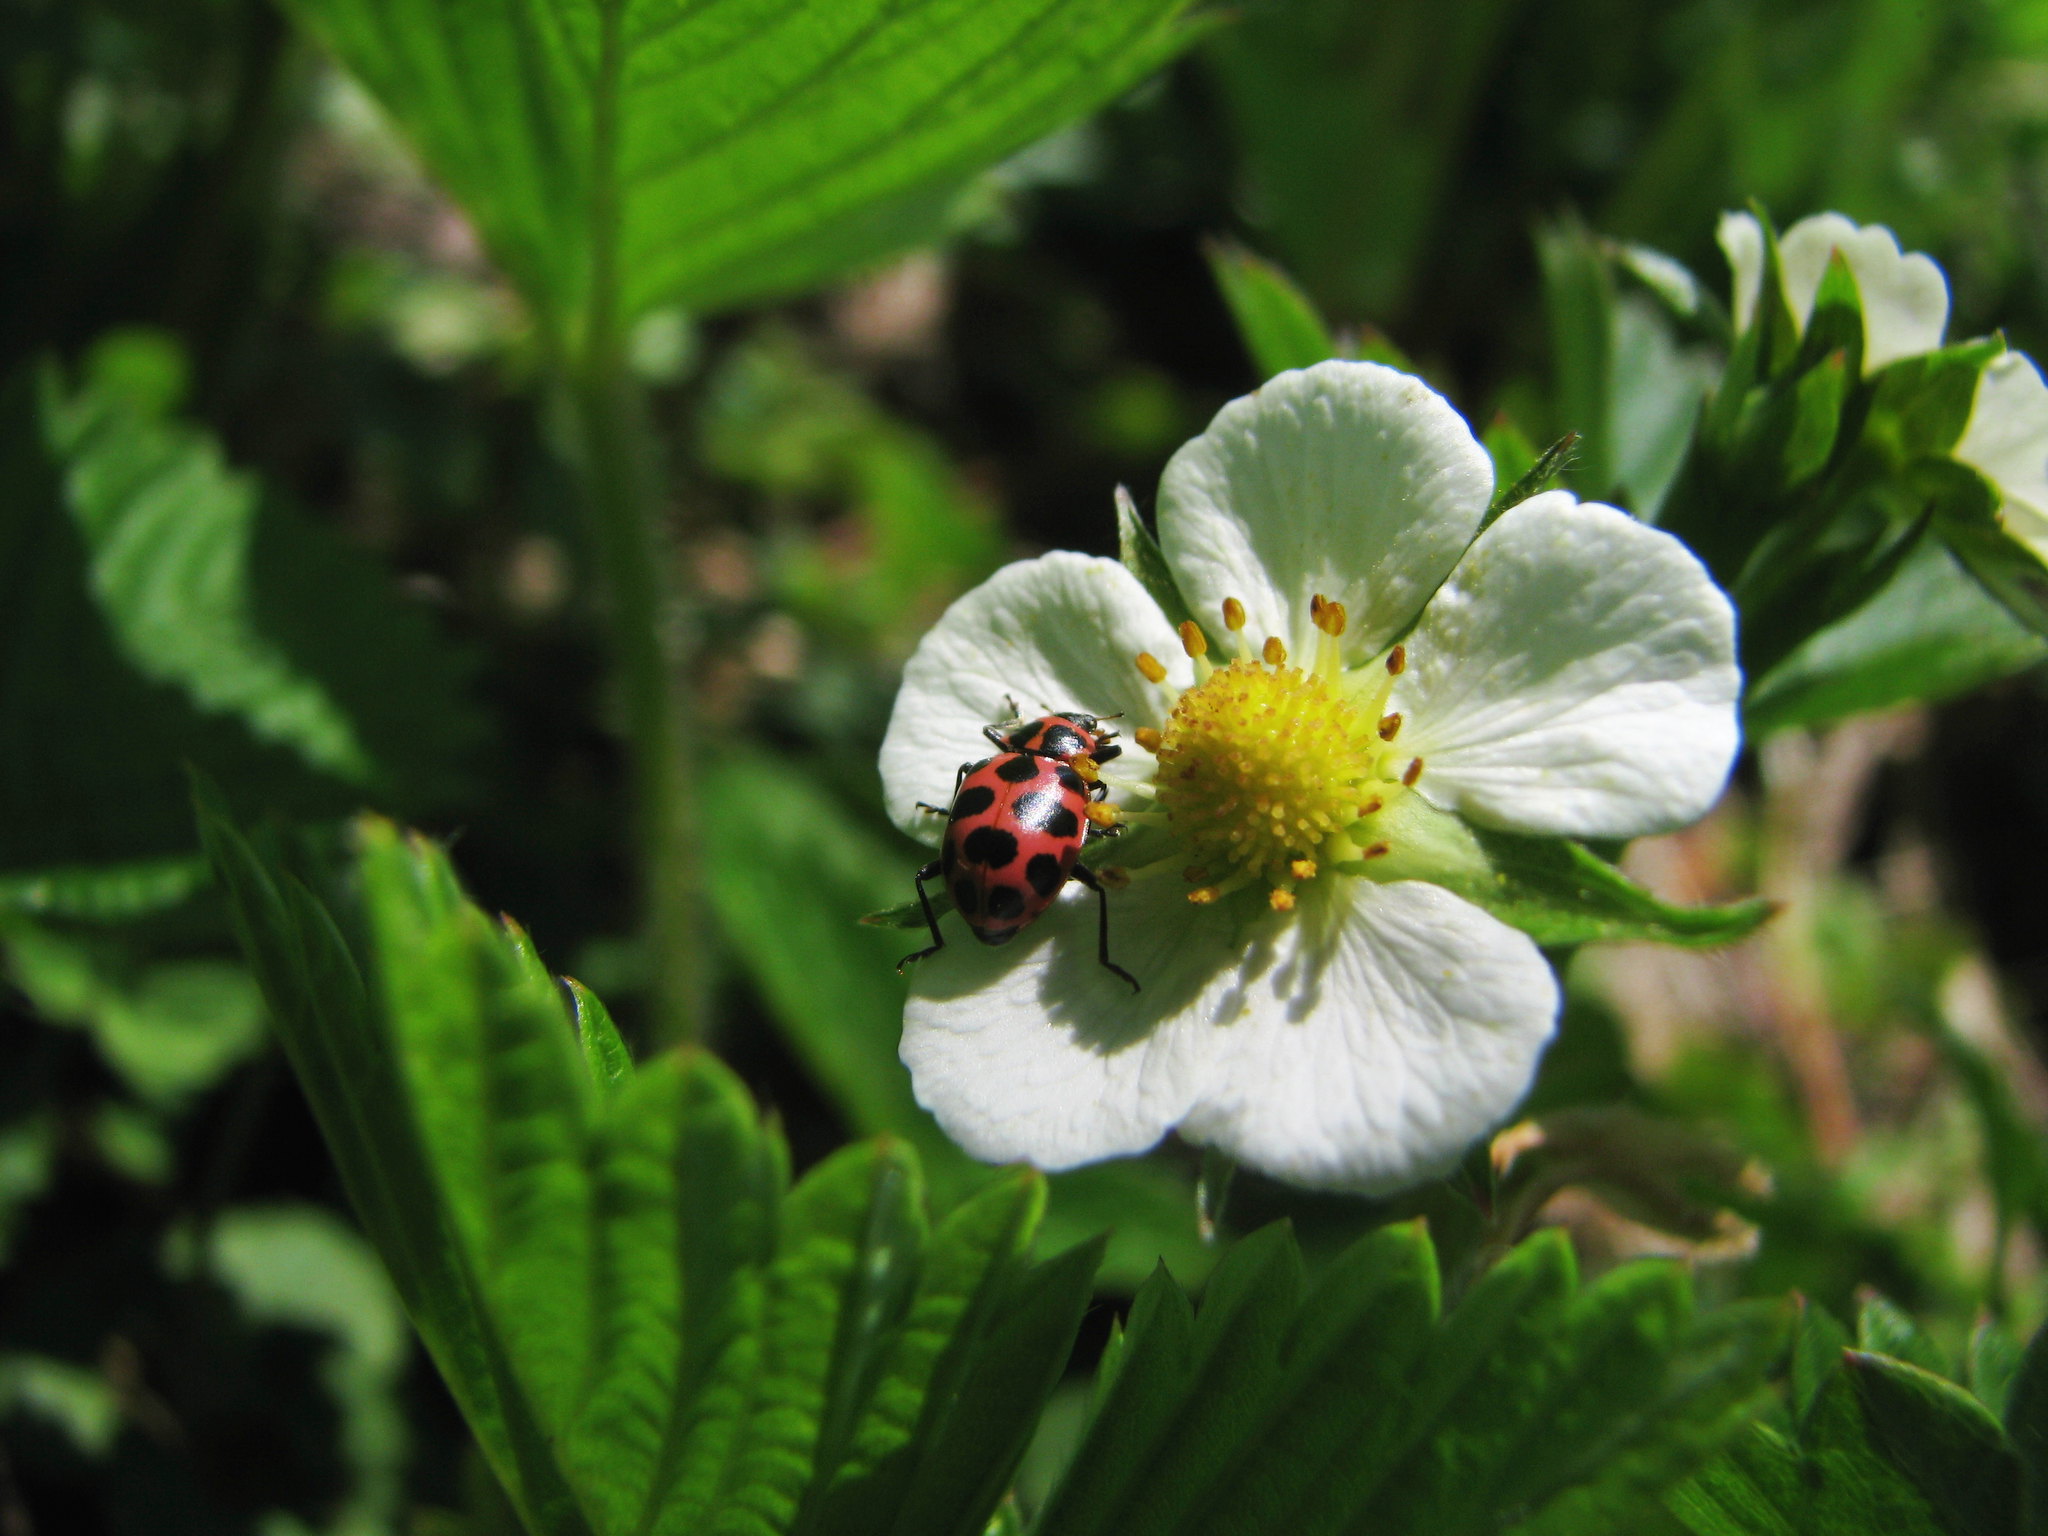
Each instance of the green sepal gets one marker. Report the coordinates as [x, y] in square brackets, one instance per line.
[1920, 405]
[1945, 1442]
[1965, 511]
[1540, 473]
[2026, 1428]
[1836, 323]
[1142, 557]
[1276, 321]
[1557, 891]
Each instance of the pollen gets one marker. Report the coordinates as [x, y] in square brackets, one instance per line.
[1263, 762]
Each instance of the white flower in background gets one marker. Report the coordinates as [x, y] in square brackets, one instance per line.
[1570, 672]
[1905, 311]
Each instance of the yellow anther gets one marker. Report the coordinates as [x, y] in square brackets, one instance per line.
[1329, 617]
[1085, 766]
[1390, 726]
[1412, 773]
[1397, 660]
[1233, 614]
[1275, 653]
[1146, 737]
[1151, 666]
[1204, 896]
[1192, 639]
[1303, 869]
[1103, 814]
[1280, 900]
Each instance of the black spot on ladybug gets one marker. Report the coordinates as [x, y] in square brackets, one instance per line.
[1005, 902]
[990, 847]
[947, 855]
[1064, 741]
[1070, 780]
[1062, 823]
[1021, 737]
[1034, 811]
[965, 899]
[1046, 873]
[972, 801]
[1015, 770]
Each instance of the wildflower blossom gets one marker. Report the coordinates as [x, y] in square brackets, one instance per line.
[1905, 312]
[1359, 669]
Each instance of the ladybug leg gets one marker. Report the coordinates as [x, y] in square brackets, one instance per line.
[929, 872]
[1086, 876]
[931, 810]
[995, 736]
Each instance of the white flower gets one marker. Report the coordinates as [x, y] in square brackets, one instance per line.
[1905, 311]
[1569, 671]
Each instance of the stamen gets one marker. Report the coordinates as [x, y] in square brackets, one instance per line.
[1205, 895]
[1151, 666]
[1372, 807]
[1376, 851]
[1275, 652]
[1103, 814]
[1192, 640]
[1414, 772]
[1146, 737]
[1233, 614]
[1115, 876]
[1280, 899]
[1194, 874]
[1303, 869]
[1397, 661]
[1091, 770]
[1329, 617]
[1390, 726]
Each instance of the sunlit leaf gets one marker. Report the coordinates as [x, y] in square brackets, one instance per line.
[620, 154]
[1276, 321]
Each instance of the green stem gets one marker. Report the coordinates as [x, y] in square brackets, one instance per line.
[634, 562]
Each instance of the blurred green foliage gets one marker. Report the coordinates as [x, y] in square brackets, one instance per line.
[287, 498]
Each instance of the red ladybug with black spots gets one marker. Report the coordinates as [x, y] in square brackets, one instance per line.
[1015, 831]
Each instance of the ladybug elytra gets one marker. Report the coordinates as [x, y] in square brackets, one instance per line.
[1015, 830]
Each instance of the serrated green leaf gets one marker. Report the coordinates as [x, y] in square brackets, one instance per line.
[1944, 1441]
[645, 1331]
[2026, 1429]
[1358, 1408]
[620, 154]
[1883, 1328]
[1554, 890]
[1929, 634]
[1276, 321]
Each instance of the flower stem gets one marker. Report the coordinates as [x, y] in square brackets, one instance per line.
[616, 459]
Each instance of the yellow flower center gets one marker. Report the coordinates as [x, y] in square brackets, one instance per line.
[1269, 771]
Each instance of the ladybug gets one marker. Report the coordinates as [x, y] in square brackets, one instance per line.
[1065, 736]
[1013, 839]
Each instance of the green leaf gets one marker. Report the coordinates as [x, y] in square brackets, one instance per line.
[1944, 1441]
[1579, 300]
[2026, 1428]
[1540, 473]
[1882, 1328]
[1929, 634]
[1554, 890]
[170, 1028]
[1966, 515]
[1533, 1404]
[622, 154]
[645, 1327]
[105, 893]
[1276, 321]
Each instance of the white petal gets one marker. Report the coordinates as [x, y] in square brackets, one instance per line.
[1378, 1036]
[2006, 441]
[1905, 297]
[1575, 675]
[1742, 242]
[1056, 633]
[1345, 479]
[1034, 1053]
